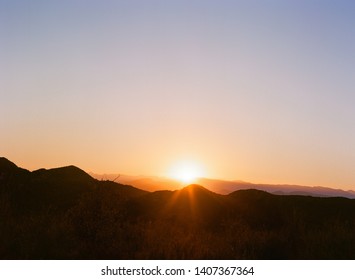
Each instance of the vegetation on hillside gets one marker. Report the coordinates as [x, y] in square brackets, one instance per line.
[66, 214]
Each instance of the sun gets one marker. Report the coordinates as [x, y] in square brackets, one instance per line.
[186, 172]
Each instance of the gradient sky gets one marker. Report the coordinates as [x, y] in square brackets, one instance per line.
[262, 91]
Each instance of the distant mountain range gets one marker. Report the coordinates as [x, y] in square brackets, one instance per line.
[153, 183]
[64, 213]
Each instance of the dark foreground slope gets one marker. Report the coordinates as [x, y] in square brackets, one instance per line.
[66, 214]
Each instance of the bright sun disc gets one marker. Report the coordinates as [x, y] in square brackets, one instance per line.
[186, 172]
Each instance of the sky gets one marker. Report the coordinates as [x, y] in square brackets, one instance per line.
[261, 91]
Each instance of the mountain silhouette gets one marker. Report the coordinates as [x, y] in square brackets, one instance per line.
[64, 213]
[6, 165]
[9, 170]
[153, 183]
[57, 187]
[226, 187]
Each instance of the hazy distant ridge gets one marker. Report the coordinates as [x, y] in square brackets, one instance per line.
[153, 183]
[63, 213]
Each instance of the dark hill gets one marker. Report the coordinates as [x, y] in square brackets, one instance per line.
[250, 194]
[263, 209]
[197, 191]
[6, 165]
[57, 188]
[63, 213]
[191, 206]
[10, 171]
[68, 174]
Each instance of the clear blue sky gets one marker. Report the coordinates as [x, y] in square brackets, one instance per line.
[262, 91]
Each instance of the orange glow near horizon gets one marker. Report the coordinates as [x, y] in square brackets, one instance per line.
[186, 171]
[220, 89]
